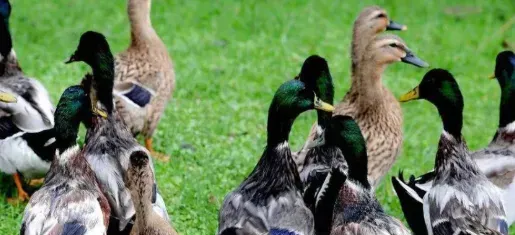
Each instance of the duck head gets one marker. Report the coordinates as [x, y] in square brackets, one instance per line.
[139, 178]
[290, 100]
[71, 110]
[388, 48]
[441, 89]
[504, 72]
[93, 49]
[316, 76]
[375, 20]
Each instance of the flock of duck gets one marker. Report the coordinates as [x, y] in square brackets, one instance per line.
[108, 186]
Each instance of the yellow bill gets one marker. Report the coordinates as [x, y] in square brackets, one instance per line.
[7, 98]
[412, 95]
[99, 112]
[492, 76]
[321, 105]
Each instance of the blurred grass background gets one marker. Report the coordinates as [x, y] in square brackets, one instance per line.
[230, 56]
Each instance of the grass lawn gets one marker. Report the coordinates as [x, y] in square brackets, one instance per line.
[230, 56]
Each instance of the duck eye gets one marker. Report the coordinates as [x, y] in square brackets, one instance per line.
[382, 15]
[393, 45]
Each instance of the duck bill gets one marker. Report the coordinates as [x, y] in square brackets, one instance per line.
[492, 76]
[411, 95]
[72, 59]
[321, 105]
[410, 58]
[396, 26]
[7, 98]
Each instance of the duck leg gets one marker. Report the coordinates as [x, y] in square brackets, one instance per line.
[22, 195]
[159, 156]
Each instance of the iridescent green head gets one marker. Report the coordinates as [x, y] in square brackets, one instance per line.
[72, 109]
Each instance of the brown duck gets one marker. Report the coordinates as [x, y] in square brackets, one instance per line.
[140, 182]
[145, 77]
[374, 107]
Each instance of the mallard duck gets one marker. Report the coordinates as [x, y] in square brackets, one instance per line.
[357, 210]
[109, 143]
[26, 118]
[370, 22]
[374, 107]
[144, 76]
[496, 161]
[461, 199]
[70, 200]
[270, 200]
[139, 181]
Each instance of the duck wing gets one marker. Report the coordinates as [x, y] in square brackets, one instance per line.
[283, 214]
[33, 111]
[451, 209]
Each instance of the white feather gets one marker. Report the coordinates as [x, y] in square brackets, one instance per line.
[409, 190]
[17, 156]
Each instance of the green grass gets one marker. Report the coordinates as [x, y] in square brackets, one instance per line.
[231, 56]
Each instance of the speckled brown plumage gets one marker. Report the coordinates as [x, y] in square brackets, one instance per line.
[145, 62]
[140, 181]
[375, 108]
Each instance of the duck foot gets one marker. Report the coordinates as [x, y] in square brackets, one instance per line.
[157, 155]
[22, 195]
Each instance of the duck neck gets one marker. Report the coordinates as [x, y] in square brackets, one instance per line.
[367, 83]
[103, 72]
[326, 93]
[452, 117]
[66, 129]
[141, 25]
[5, 45]
[142, 199]
[355, 153]
[361, 36]
[507, 113]
[277, 160]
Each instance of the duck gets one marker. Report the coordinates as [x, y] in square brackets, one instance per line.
[144, 77]
[270, 199]
[26, 119]
[139, 181]
[357, 210]
[374, 107]
[372, 21]
[109, 143]
[70, 200]
[496, 161]
[461, 198]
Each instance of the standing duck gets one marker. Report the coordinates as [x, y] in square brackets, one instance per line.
[26, 138]
[370, 22]
[496, 161]
[374, 107]
[144, 75]
[270, 200]
[70, 200]
[109, 143]
[139, 181]
[461, 199]
[357, 210]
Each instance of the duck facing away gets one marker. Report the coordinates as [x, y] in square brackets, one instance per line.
[461, 199]
[70, 200]
[357, 210]
[26, 138]
[109, 143]
[370, 22]
[496, 161]
[139, 181]
[270, 200]
[374, 107]
[144, 76]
